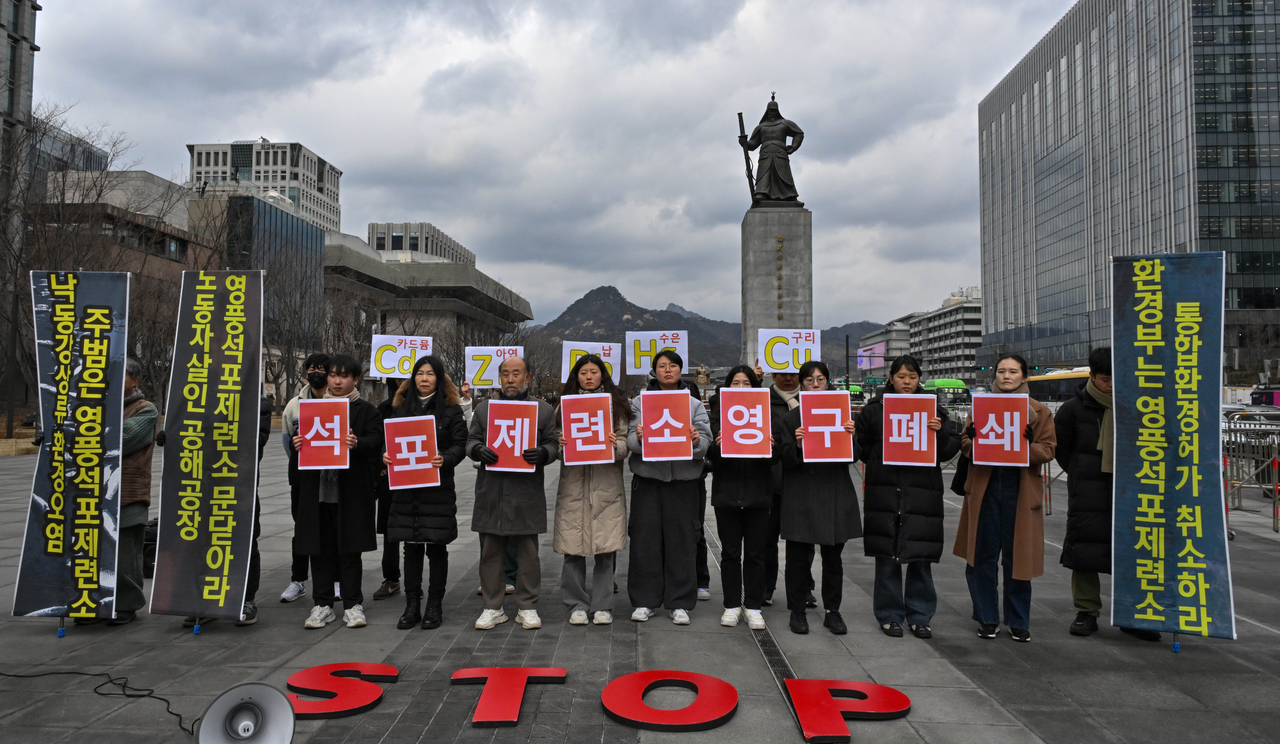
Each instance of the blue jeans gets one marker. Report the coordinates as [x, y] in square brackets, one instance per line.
[916, 604]
[995, 543]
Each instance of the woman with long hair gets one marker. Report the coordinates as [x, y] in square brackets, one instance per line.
[591, 505]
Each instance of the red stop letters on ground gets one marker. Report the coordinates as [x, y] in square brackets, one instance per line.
[821, 705]
[503, 692]
[716, 701]
[349, 688]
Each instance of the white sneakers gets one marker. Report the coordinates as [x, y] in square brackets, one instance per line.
[578, 617]
[529, 619]
[704, 594]
[603, 618]
[680, 617]
[730, 617]
[320, 617]
[295, 591]
[354, 617]
[642, 614]
[755, 620]
[490, 618]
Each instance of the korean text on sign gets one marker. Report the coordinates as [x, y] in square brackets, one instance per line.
[411, 443]
[323, 426]
[783, 350]
[610, 354]
[745, 422]
[665, 416]
[1000, 423]
[908, 440]
[483, 363]
[643, 346]
[823, 415]
[512, 429]
[394, 356]
[586, 422]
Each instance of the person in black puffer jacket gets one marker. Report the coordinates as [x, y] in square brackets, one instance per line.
[425, 520]
[903, 512]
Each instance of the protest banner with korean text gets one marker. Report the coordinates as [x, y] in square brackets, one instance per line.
[209, 486]
[586, 421]
[411, 442]
[512, 429]
[394, 356]
[1000, 422]
[665, 416]
[823, 414]
[643, 346]
[1170, 565]
[783, 350]
[69, 549]
[745, 422]
[610, 354]
[483, 363]
[908, 440]
[323, 424]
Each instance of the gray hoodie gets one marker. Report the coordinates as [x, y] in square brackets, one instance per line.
[671, 470]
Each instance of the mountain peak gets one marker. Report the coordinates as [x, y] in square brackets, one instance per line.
[674, 308]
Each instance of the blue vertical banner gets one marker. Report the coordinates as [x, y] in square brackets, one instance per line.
[1169, 560]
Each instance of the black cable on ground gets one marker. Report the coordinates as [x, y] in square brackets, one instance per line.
[125, 691]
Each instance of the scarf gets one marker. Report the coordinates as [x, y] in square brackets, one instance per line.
[352, 396]
[1106, 431]
[792, 397]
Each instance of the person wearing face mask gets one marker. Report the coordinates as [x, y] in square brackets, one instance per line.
[591, 506]
[317, 369]
[740, 495]
[1002, 520]
[425, 520]
[903, 511]
[819, 514]
[511, 507]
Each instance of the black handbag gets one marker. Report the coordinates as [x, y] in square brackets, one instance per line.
[962, 475]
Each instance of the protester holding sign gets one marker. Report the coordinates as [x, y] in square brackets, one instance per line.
[425, 520]
[511, 506]
[336, 507]
[784, 395]
[665, 506]
[591, 501]
[819, 508]
[136, 449]
[904, 509]
[1003, 516]
[390, 548]
[317, 369]
[740, 495]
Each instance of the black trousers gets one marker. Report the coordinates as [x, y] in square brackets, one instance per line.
[331, 566]
[800, 575]
[298, 572]
[771, 550]
[255, 558]
[664, 542]
[438, 578]
[391, 559]
[744, 537]
[700, 560]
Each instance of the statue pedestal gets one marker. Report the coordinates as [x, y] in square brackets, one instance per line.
[775, 296]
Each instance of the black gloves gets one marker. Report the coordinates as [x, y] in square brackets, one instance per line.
[160, 438]
[1030, 434]
[484, 455]
[970, 432]
[535, 456]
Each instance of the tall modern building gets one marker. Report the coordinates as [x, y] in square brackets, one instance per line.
[287, 168]
[946, 340]
[416, 241]
[878, 349]
[1130, 128]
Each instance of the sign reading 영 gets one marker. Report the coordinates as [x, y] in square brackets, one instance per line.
[393, 356]
[783, 350]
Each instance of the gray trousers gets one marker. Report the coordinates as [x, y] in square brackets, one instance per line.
[573, 583]
[493, 577]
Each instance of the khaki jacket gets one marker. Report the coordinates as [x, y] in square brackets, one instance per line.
[591, 503]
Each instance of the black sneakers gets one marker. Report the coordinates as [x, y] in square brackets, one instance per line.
[893, 630]
[250, 612]
[1021, 635]
[834, 623]
[988, 631]
[922, 631]
[389, 588]
[799, 623]
[1084, 625]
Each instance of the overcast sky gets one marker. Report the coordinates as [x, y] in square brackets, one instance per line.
[572, 143]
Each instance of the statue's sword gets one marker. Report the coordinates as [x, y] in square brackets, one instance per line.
[751, 179]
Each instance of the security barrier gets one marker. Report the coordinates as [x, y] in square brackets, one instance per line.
[1251, 459]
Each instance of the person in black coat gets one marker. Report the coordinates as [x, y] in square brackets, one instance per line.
[741, 496]
[425, 520]
[903, 511]
[390, 548]
[819, 508]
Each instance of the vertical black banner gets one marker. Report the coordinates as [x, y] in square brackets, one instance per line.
[211, 447]
[68, 564]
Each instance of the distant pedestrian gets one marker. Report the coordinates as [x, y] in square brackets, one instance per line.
[316, 367]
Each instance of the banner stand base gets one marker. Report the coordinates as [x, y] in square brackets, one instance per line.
[1177, 647]
[62, 627]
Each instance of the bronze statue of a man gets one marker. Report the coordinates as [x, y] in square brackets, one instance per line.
[773, 181]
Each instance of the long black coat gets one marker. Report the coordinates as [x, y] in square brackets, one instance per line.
[424, 515]
[819, 502]
[1087, 546]
[738, 481]
[384, 490]
[357, 487]
[778, 409]
[903, 504]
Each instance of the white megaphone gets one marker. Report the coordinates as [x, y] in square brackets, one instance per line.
[249, 712]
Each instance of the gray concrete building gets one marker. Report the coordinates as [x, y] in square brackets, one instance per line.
[946, 340]
[416, 241]
[295, 172]
[896, 339]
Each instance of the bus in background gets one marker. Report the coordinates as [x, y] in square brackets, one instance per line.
[1058, 386]
[855, 391]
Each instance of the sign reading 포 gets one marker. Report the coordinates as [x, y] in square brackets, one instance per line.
[665, 416]
[610, 354]
[323, 424]
[411, 442]
[512, 428]
[1000, 423]
[907, 437]
[823, 414]
[586, 421]
[643, 346]
[393, 356]
[783, 350]
[483, 363]
[745, 422]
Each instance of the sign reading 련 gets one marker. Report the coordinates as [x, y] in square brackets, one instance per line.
[586, 421]
[643, 346]
[665, 416]
[907, 437]
[1000, 423]
[745, 422]
[323, 426]
[783, 350]
[483, 363]
[411, 443]
[823, 414]
[610, 354]
[1170, 565]
[68, 558]
[512, 428]
[393, 356]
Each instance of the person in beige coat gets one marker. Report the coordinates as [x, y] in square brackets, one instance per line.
[1002, 521]
[591, 506]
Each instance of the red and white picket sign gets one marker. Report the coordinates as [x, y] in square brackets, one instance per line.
[665, 417]
[411, 442]
[586, 421]
[323, 424]
[907, 437]
[744, 422]
[823, 414]
[1000, 422]
[512, 429]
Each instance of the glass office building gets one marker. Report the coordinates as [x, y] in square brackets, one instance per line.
[1130, 128]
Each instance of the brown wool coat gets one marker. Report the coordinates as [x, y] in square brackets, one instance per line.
[591, 503]
[1028, 531]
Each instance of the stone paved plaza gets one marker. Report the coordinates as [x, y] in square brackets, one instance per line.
[1059, 688]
